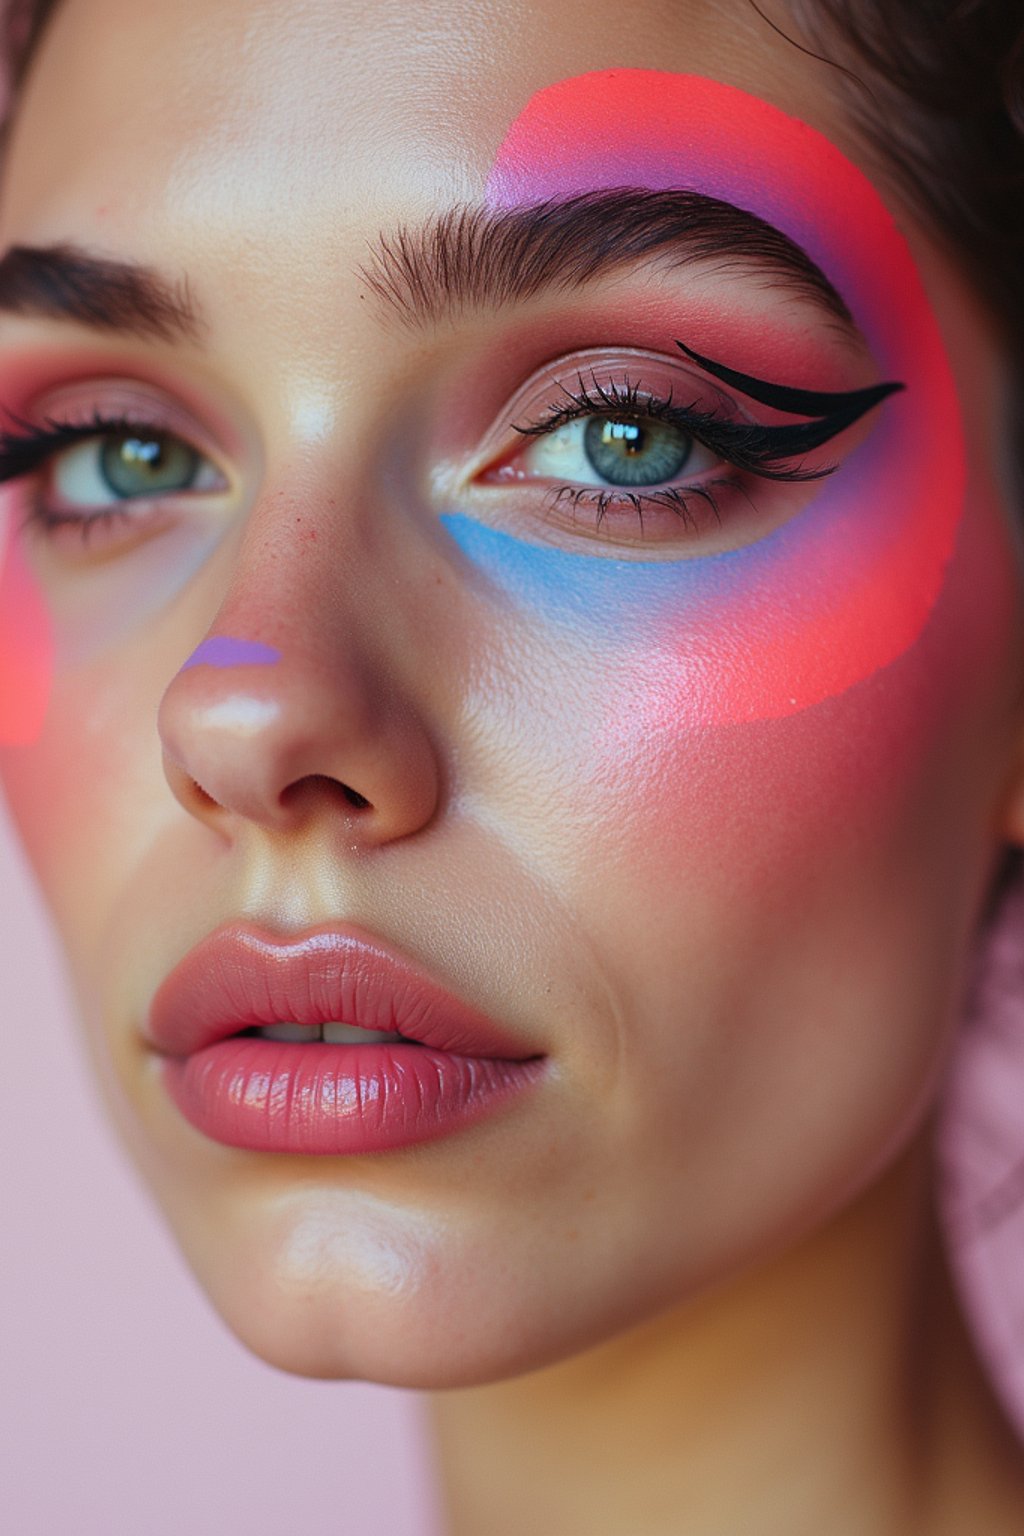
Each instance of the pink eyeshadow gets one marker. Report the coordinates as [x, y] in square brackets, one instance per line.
[849, 584]
[26, 651]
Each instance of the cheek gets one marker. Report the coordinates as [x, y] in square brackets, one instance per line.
[58, 615]
[79, 750]
[82, 795]
[744, 873]
[929, 728]
[26, 646]
[783, 911]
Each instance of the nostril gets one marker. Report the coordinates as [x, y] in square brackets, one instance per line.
[319, 783]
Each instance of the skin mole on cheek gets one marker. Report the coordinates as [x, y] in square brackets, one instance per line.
[510, 694]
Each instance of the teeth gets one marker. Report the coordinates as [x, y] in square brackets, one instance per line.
[351, 1034]
[289, 1032]
[333, 1033]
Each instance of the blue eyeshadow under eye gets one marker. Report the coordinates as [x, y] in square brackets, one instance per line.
[566, 584]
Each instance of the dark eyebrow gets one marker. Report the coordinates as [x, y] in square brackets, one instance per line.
[65, 282]
[475, 256]
[464, 257]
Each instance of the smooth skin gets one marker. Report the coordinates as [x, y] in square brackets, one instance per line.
[694, 1282]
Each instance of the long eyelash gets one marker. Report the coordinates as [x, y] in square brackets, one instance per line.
[675, 498]
[745, 444]
[27, 448]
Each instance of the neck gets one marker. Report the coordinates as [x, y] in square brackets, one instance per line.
[833, 1389]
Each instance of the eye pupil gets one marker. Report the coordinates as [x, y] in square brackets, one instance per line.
[134, 450]
[628, 436]
[136, 465]
[627, 451]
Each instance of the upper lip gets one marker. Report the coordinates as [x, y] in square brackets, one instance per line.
[243, 974]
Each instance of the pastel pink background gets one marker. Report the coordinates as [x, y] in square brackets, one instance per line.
[126, 1407]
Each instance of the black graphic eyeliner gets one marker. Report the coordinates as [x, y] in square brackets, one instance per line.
[837, 410]
[747, 445]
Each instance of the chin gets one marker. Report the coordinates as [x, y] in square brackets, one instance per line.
[335, 1284]
[332, 1287]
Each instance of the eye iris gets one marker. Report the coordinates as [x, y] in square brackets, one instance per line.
[635, 452]
[133, 465]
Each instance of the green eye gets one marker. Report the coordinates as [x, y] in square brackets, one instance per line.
[635, 452]
[136, 465]
[129, 463]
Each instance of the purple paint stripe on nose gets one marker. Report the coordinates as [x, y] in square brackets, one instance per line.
[223, 651]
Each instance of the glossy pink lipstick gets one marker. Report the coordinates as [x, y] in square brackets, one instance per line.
[449, 1065]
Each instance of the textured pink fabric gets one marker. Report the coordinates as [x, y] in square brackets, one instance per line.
[980, 1151]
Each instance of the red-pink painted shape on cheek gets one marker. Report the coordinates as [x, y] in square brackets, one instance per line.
[848, 585]
[26, 648]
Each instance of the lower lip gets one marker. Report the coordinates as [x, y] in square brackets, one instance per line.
[277, 1096]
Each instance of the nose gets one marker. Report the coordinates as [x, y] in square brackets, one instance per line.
[267, 736]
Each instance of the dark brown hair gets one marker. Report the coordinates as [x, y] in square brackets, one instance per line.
[936, 87]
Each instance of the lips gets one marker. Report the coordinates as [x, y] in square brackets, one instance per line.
[451, 1065]
[242, 976]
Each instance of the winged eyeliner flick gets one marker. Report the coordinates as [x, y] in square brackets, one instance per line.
[833, 411]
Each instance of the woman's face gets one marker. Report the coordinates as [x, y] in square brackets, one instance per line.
[688, 776]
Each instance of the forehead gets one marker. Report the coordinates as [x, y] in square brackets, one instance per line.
[198, 118]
